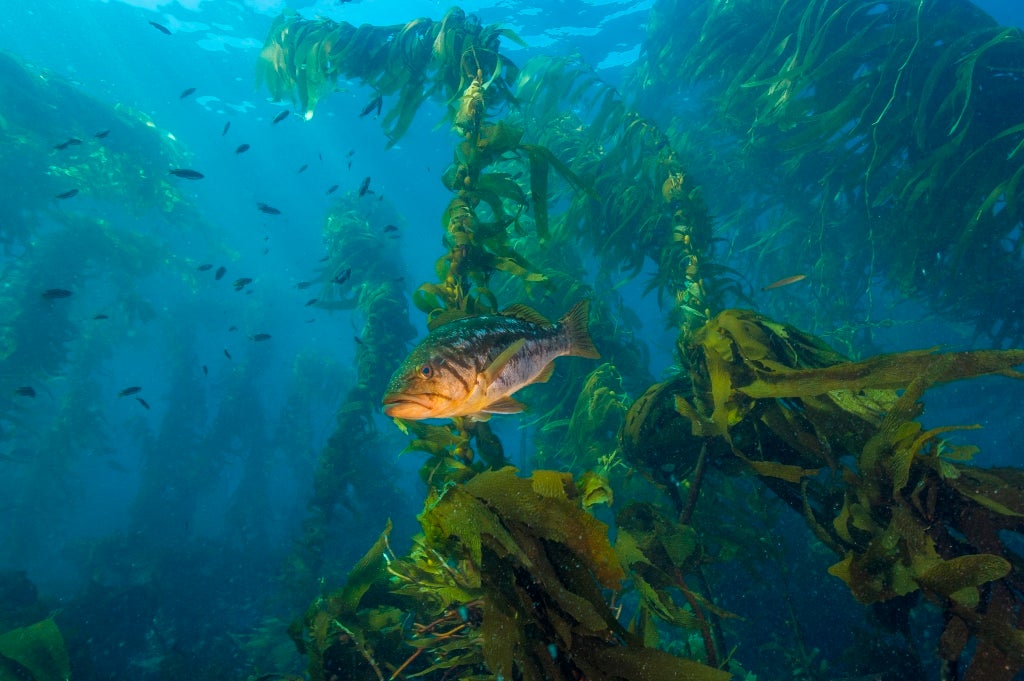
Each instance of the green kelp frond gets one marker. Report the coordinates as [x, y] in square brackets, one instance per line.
[303, 59]
[542, 562]
[35, 652]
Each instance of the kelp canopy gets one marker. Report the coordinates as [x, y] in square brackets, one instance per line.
[893, 132]
[514, 576]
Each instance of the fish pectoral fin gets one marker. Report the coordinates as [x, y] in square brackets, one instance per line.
[478, 416]
[499, 363]
[545, 373]
[506, 405]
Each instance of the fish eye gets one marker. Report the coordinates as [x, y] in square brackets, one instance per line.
[426, 371]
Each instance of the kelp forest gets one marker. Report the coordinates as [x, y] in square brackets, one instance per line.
[783, 182]
[904, 124]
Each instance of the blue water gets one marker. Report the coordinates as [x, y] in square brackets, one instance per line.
[213, 542]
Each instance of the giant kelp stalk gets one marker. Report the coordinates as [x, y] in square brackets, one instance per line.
[359, 255]
[893, 152]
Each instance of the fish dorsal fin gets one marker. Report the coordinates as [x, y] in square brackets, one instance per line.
[505, 405]
[499, 363]
[526, 313]
[545, 373]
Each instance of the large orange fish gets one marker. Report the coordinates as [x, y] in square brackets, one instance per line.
[472, 366]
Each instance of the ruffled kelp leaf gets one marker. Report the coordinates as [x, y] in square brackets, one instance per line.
[37, 650]
[950, 576]
[369, 568]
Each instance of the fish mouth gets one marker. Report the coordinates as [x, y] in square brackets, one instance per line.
[399, 405]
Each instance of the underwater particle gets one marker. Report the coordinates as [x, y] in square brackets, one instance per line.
[70, 142]
[260, 337]
[101, 134]
[268, 209]
[187, 92]
[160, 27]
[25, 391]
[204, 267]
[280, 117]
[67, 195]
[343, 277]
[241, 283]
[333, 188]
[471, 366]
[311, 301]
[227, 126]
[375, 103]
[131, 390]
[54, 293]
[786, 281]
[227, 354]
[143, 402]
[242, 148]
[220, 273]
[364, 186]
[186, 173]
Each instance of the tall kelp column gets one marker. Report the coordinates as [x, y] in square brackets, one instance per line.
[515, 577]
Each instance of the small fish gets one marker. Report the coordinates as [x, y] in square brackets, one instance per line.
[375, 103]
[242, 283]
[54, 293]
[186, 173]
[227, 354]
[343, 277]
[364, 186]
[280, 117]
[204, 267]
[101, 134]
[100, 316]
[358, 340]
[269, 210]
[351, 153]
[227, 126]
[160, 27]
[25, 391]
[350, 165]
[241, 148]
[303, 284]
[310, 321]
[71, 142]
[206, 370]
[311, 301]
[390, 228]
[233, 328]
[333, 188]
[302, 169]
[143, 402]
[130, 391]
[260, 337]
[325, 258]
[67, 195]
[472, 366]
[784, 282]
[186, 92]
[219, 274]
[115, 465]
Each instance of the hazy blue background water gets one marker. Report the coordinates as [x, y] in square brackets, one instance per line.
[109, 50]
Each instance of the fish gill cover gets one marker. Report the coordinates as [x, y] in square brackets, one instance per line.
[816, 160]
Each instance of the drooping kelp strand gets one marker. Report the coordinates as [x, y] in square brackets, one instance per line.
[893, 151]
[907, 517]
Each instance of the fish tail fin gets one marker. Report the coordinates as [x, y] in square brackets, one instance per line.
[574, 325]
